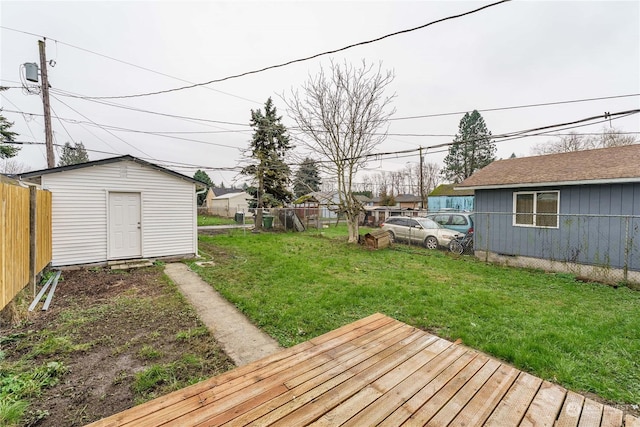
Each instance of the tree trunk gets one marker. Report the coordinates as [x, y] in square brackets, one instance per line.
[352, 225]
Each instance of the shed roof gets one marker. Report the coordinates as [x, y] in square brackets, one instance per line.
[217, 191]
[601, 166]
[449, 190]
[126, 157]
[232, 195]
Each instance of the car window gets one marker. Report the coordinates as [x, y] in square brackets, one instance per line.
[413, 223]
[441, 219]
[458, 220]
[392, 221]
[429, 223]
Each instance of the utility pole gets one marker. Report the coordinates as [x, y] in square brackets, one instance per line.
[422, 198]
[48, 137]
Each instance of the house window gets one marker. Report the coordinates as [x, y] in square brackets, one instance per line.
[536, 208]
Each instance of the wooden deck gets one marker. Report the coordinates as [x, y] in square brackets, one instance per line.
[376, 371]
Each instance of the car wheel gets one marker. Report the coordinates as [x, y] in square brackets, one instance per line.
[392, 237]
[431, 242]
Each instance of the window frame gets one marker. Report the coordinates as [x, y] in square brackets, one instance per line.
[535, 209]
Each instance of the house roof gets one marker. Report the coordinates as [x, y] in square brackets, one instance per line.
[601, 166]
[222, 191]
[362, 198]
[407, 198]
[232, 195]
[126, 157]
[449, 190]
[321, 197]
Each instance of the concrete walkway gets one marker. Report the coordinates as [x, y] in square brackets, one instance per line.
[240, 339]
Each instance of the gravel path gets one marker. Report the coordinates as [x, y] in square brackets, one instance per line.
[241, 340]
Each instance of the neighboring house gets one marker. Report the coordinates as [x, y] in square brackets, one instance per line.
[578, 212]
[119, 208]
[214, 192]
[366, 201]
[322, 204]
[408, 201]
[446, 197]
[226, 205]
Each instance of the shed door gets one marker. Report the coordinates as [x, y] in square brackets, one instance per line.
[124, 225]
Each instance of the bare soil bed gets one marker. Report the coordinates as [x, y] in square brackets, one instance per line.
[121, 337]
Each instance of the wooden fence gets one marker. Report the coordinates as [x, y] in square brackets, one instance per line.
[25, 242]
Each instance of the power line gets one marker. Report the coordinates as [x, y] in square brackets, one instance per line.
[544, 104]
[510, 136]
[75, 121]
[127, 63]
[141, 110]
[294, 61]
[109, 132]
[65, 93]
[120, 129]
[156, 161]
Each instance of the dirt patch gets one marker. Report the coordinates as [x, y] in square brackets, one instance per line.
[123, 338]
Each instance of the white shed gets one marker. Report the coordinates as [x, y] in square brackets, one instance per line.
[228, 204]
[119, 208]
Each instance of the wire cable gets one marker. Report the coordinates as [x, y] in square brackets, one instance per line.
[307, 58]
[543, 104]
[126, 107]
[109, 132]
[124, 62]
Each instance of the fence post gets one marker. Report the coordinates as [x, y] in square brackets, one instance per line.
[32, 236]
[627, 249]
[486, 238]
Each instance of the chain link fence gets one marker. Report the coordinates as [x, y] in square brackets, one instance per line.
[597, 247]
[605, 248]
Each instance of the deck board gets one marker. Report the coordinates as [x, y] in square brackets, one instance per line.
[375, 371]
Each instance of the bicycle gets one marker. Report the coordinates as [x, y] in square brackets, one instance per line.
[461, 244]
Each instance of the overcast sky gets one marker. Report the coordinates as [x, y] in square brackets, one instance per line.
[513, 54]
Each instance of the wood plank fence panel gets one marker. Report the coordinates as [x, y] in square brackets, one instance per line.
[44, 251]
[15, 248]
[14, 242]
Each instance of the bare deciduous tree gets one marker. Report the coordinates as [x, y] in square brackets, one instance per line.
[343, 111]
[577, 142]
[13, 167]
[431, 176]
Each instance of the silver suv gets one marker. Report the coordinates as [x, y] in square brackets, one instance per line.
[461, 222]
[418, 230]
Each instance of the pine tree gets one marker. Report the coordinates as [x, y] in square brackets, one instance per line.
[307, 178]
[202, 176]
[268, 147]
[6, 136]
[72, 155]
[472, 149]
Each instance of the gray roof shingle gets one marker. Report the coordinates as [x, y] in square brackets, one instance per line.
[604, 165]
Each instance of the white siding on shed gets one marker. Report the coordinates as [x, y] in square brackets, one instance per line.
[80, 209]
[228, 204]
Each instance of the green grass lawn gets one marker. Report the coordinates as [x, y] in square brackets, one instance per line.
[585, 337]
[214, 220]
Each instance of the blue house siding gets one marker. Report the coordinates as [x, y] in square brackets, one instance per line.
[593, 226]
[461, 203]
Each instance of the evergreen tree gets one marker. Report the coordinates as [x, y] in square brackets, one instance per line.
[72, 155]
[267, 148]
[472, 149]
[6, 135]
[307, 178]
[202, 176]
[387, 199]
